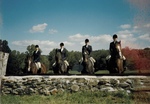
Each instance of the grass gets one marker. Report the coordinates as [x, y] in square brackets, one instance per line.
[79, 98]
[69, 98]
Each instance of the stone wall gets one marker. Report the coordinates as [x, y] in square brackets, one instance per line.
[49, 85]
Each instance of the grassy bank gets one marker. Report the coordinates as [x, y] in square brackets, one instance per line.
[78, 98]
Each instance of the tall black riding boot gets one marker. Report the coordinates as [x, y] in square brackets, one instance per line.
[39, 71]
[124, 64]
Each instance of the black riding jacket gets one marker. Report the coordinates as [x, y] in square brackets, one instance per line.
[87, 48]
[36, 56]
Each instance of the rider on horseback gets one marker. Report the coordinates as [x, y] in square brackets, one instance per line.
[36, 57]
[63, 52]
[113, 52]
[88, 49]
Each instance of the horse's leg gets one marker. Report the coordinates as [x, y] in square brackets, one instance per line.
[119, 66]
[110, 66]
[43, 69]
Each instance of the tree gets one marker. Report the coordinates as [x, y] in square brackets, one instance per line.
[51, 58]
[73, 58]
[137, 59]
[16, 63]
[30, 49]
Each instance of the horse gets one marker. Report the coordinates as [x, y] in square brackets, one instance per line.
[32, 67]
[115, 64]
[60, 66]
[88, 67]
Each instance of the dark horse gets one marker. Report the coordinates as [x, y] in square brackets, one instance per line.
[88, 67]
[60, 66]
[32, 67]
[115, 64]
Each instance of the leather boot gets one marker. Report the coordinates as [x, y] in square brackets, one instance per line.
[124, 64]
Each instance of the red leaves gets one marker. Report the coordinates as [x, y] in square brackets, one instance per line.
[137, 58]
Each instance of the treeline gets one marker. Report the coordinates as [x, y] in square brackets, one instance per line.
[137, 59]
[17, 60]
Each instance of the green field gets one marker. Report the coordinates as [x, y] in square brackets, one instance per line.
[79, 98]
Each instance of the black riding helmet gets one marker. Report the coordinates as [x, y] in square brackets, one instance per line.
[86, 40]
[36, 46]
[115, 36]
[61, 44]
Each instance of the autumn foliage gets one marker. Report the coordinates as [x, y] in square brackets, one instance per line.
[137, 58]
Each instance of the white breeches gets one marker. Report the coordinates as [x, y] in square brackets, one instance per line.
[38, 65]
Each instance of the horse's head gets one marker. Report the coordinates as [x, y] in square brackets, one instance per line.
[57, 56]
[118, 46]
[29, 60]
[85, 56]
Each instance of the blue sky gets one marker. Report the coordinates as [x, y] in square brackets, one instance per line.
[49, 22]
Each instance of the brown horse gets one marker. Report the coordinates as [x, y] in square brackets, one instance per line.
[60, 66]
[88, 67]
[115, 64]
[32, 67]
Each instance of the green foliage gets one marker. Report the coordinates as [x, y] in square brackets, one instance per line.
[4, 46]
[74, 57]
[16, 63]
[30, 49]
[51, 58]
[45, 61]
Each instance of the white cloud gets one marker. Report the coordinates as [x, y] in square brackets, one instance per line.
[45, 45]
[81, 38]
[68, 43]
[125, 26]
[145, 37]
[78, 37]
[38, 28]
[125, 34]
[97, 42]
[99, 38]
[52, 31]
[136, 27]
[147, 25]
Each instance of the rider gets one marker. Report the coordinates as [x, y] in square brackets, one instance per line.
[88, 49]
[63, 52]
[113, 51]
[36, 57]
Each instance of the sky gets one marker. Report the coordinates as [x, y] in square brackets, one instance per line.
[47, 23]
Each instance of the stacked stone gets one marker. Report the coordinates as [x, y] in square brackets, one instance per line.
[51, 86]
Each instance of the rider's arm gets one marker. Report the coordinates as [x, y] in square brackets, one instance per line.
[110, 48]
[65, 54]
[83, 49]
[90, 49]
